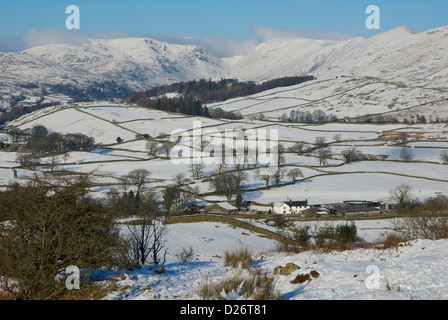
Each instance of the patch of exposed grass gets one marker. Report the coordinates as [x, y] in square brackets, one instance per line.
[240, 258]
[255, 286]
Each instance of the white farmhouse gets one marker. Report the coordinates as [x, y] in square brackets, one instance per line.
[290, 207]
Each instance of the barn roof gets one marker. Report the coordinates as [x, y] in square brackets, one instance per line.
[297, 203]
[227, 206]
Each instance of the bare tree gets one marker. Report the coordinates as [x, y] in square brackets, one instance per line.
[16, 134]
[166, 148]
[320, 142]
[323, 154]
[280, 157]
[406, 154]
[179, 179]
[148, 241]
[38, 131]
[221, 168]
[24, 158]
[430, 220]
[204, 144]
[278, 175]
[197, 170]
[297, 148]
[294, 174]
[158, 245]
[401, 137]
[337, 137]
[444, 156]
[52, 163]
[137, 177]
[265, 175]
[140, 239]
[228, 183]
[152, 147]
[66, 156]
[147, 234]
[239, 177]
[323, 151]
[351, 154]
[402, 194]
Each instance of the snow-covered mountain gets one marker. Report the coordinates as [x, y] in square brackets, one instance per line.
[398, 53]
[128, 64]
[133, 64]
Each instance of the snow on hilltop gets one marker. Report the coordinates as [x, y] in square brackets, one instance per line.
[137, 62]
[140, 63]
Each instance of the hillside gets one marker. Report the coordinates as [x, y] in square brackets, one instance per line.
[411, 272]
[400, 55]
[384, 98]
[383, 164]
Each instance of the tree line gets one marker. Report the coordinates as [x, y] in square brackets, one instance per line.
[38, 141]
[17, 111]
[209, 91]
[192, 95]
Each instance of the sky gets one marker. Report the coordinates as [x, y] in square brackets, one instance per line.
[221, 26]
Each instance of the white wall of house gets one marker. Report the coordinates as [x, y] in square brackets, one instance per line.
[286, 209]
[282, 209]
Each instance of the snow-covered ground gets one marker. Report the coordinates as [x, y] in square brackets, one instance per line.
[399, 73]
[369, 180]
[414, 271]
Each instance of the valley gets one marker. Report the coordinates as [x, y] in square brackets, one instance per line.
[372, 121]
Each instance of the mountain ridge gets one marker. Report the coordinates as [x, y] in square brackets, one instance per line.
[135, 64]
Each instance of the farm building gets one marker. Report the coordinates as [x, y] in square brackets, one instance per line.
[290, 207]
[221, 207]
[352, 208]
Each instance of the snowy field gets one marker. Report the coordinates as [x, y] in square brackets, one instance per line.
[415, 271]
[334, 182]
[341, 96]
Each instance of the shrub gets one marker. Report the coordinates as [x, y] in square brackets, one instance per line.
[186, 255]
[423, 227]
[55, 224]
[260, 286]
[341, 236]
[240, 258]
[391, 240]
[255, 286]
[346, 234]
[302, 236]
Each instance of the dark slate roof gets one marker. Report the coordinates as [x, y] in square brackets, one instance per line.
[297, 203]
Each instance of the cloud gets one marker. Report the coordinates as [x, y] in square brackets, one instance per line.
[12, 44]
[222, 47]
[227, 47]
[265, 34]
